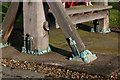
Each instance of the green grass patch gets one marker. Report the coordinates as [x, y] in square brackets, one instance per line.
[114, 18]
[113, 5]
[19, 20]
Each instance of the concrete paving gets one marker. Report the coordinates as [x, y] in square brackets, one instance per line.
[20, 73]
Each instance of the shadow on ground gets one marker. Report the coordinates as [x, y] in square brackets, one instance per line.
[88, 28]
[115, 31]
[16, 38]
[83, 27]
[61, 51]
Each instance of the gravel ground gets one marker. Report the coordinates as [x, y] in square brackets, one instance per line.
[31, 70]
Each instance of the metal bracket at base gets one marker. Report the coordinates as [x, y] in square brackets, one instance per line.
[29, 47]
[105, 31]
[36, 51]
[97, 29]
[4, 45]
[92, 30]
[1, 44]
[74, 49]
[85, 55]
[102, 31]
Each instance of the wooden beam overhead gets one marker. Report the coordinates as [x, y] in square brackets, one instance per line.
[85, 17]
[93, 8]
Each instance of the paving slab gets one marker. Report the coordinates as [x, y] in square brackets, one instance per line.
[104, 65]
[20, 73]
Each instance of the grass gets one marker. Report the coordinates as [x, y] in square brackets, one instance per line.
[4, 9]
[114, 16]
[19, 19]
